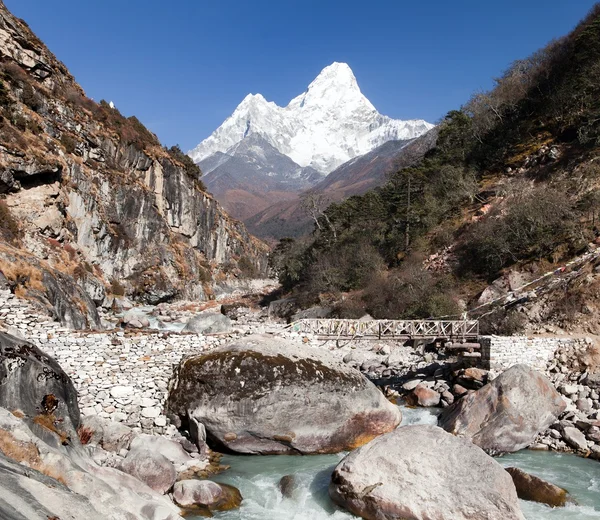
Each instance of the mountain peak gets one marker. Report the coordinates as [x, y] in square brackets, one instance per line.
[335, 85]
[325, 126]
[338, 73]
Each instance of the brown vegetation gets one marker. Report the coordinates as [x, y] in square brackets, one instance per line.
[22, 274]
[9, 229]
[26, 453]
[85, 434]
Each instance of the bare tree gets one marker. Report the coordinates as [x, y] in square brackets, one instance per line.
[314, 205]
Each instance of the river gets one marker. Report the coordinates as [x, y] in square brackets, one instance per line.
[257, 478]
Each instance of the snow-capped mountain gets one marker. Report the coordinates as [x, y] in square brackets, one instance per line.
[329, 124]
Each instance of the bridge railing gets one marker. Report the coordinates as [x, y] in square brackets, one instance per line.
[379, 329]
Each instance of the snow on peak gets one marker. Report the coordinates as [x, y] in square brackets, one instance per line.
[329, 124]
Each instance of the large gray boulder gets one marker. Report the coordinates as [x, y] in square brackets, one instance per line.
[34, 384]
[208, 323]
[422, 472]
[44, 469]
[269, 396]
[507, 414]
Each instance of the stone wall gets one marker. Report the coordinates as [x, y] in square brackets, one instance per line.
[118, 375]
[501, 352]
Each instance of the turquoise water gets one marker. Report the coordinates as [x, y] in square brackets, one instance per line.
[581, 477]
[257, 478]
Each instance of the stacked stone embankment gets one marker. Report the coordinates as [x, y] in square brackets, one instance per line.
[119, 375]
[502, 352]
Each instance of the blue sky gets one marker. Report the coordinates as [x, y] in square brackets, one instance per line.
[183, 66]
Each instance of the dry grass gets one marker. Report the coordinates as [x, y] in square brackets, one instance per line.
[528, 148]
[23, 274]
[20, 451]
[48, 422]
[26, 453]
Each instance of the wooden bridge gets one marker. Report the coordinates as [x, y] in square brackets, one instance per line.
[451, 331]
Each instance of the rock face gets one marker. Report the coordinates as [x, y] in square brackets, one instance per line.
[97, 197]
[419, 472]
[263, 395]
[208, 323]
[44, 469]
[506, 415]
[530, 487]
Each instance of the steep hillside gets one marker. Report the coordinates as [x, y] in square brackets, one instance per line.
[510, 192]
[92, 195]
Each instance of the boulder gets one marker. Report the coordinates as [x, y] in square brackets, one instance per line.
[35, 384]
[419, 472]
[424, 396]
[532, 488]
[172, 450]
[312, 313]
[574, 438]
[506, 415]
[94, 288]
[208, 323]
[265, 395]
[152, 468]
[282, 308]
[288, 485]
[43, 465]
[234, 310]
[110, 435]
[206, 494]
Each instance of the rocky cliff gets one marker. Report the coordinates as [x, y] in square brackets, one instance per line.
[93, 195]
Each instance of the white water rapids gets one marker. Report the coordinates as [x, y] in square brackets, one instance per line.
[257, 478]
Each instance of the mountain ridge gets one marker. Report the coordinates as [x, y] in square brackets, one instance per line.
[324, 127]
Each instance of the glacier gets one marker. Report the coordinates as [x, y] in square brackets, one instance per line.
[322, 128]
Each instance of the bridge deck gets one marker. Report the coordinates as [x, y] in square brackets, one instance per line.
[390, 329]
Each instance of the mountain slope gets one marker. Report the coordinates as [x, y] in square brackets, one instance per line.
[252, 174]
[93, 196]
[489, 219]
[329, 124]
[287, 218]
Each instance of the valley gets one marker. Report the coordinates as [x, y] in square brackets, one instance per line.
[319, 311]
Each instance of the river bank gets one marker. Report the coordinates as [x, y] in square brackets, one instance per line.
[258, 478]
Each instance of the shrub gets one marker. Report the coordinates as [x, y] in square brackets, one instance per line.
[117, 288]
[5, 99]
[8, 225]
[68, 142]
[411, 292]
[534, 224]
[190, 167]
[85, 434]
[22, 274]
[503, 323]
[247, 268]
[14, 73]
[204, 275]
[31, 98]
